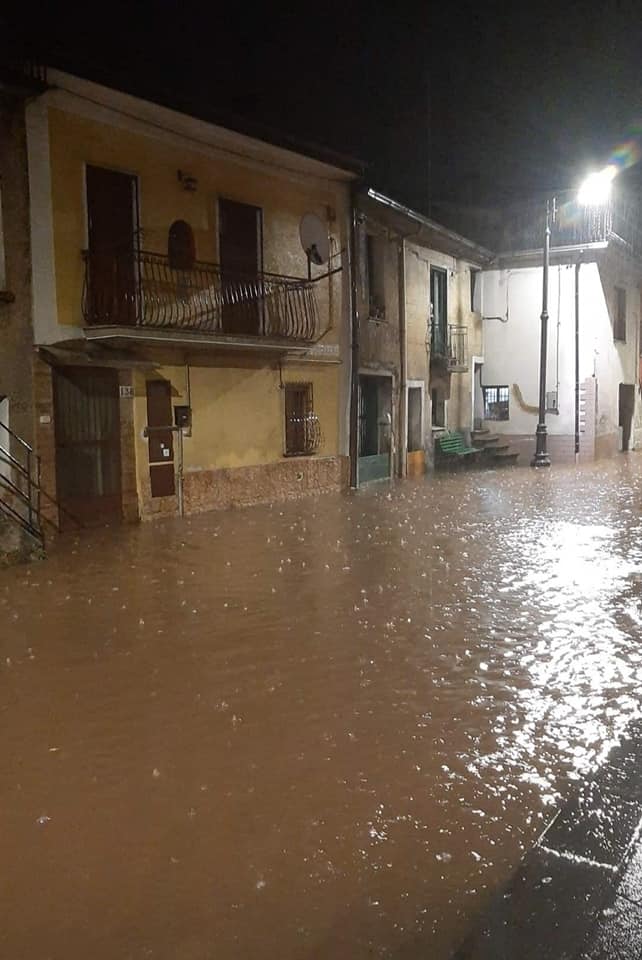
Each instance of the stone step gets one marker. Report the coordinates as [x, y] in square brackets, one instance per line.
[487, 441]
[505, 457]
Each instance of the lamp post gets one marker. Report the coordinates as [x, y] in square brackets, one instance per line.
[594, 191]
[541, 458]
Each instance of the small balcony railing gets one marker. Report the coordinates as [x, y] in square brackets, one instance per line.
[449, 347]
[142, 289]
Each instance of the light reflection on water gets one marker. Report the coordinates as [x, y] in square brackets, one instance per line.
[322, 729]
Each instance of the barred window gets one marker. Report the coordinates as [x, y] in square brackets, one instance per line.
[302, 434]
[496, 403]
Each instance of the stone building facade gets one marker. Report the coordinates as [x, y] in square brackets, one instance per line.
[420, 335]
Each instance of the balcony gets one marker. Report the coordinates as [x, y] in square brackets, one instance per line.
[138, 292]
[449, 347]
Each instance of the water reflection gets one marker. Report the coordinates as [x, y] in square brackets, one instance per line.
[322, 729]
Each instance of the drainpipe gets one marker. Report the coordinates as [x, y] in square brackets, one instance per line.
[403, 369]
[577, 360]
[354, 355]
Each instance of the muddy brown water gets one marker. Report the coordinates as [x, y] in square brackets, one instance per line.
[322, 729]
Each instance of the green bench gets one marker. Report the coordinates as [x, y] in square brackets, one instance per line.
[451, 448]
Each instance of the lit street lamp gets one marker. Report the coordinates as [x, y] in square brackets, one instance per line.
[594, 191]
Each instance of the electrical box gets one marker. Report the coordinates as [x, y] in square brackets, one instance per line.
[182, 416]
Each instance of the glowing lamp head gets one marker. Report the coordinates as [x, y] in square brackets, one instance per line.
[596, 189]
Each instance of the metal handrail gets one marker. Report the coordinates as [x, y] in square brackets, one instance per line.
[8, 510]
[27, 475]
[449, 344]
[14, 436]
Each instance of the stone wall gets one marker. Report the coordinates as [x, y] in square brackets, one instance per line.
[284, 480]
[16, 374]
[16, 546]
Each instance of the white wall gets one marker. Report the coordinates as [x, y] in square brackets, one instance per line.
[512, 345]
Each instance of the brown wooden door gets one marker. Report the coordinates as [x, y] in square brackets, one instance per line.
[161, 443]
[240, 242]
[87, 429]
[111, 215]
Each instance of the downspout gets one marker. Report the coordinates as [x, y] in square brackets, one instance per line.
[403, 369]
[354, 350]
[577, 360]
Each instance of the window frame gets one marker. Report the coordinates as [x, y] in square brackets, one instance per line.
[475, 279]
[438, 310]
[305, 388]
[438, 404]
[502, 414]
[415, 385]
[619, 314]
[375, 275]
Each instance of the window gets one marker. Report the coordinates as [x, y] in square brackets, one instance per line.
[302, 433]
[619, 318]
[415, 419]
[438, 409]
[475, 290]
[438, 312]
[375, 274]
[181, 250]
[496, 403]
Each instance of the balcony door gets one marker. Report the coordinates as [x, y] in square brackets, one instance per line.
[438, 312]
[240, 246]
[112, 229]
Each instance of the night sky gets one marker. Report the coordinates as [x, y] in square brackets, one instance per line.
[469, 102]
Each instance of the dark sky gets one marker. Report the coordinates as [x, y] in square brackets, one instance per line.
[466, 101]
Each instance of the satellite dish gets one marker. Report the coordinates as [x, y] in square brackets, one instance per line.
[314, 238]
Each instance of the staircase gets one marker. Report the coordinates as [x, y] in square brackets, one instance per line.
[22, 521]
[495, 452]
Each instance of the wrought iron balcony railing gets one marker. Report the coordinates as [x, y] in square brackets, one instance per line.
[449, 347]
[142, 289]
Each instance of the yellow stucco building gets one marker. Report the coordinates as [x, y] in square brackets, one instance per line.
[191, 309]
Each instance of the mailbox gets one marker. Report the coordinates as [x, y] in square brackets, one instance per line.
[182, 416]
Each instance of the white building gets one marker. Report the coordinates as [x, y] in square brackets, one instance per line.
[595, 277]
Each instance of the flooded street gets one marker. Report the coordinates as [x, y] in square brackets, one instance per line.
[321, 729]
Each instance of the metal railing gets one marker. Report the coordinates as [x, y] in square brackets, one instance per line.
[520, 226]
[20, 481]
[449, 346]
[21, 492]
[142, 289]
[305, 434]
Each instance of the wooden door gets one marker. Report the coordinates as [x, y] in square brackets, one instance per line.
[240, 242]
[111, 216]
[87, 430]
[161, 442]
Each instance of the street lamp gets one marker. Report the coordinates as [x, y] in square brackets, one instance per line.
[594, 191]
[596, 188]
[541, 458]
